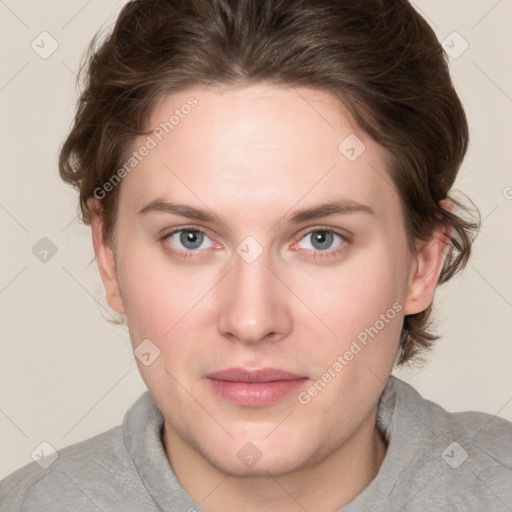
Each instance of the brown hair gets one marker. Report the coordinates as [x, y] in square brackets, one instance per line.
[379, 57]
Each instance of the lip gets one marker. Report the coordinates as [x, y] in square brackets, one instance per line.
[255, 388]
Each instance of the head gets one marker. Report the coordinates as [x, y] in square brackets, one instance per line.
[268, 185]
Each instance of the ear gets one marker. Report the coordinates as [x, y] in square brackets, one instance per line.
[105, 258]
[426, 269]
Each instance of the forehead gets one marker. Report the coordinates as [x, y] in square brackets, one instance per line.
[237, 121]
[262, 145]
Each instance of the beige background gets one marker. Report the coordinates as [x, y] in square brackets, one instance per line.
[66, 374]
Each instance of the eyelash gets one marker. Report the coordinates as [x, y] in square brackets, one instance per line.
[328, 253]
[183, 254]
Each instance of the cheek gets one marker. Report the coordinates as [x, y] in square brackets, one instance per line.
[154, 295]
[166, 304]
[163, 306]
[362, 302]
[175, 308]
[354, 295]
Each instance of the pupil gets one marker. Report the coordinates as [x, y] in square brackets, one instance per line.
[322, 239]
[191, 239]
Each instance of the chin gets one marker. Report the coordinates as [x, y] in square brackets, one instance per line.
[275, 464]
[258, 456]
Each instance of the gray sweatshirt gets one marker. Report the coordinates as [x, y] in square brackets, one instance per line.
[436, 461]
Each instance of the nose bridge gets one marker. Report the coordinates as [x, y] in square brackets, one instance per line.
[253, 305]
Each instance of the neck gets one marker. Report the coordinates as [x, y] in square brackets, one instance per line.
[323, 486]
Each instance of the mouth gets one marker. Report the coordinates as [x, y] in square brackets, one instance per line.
[255, 388]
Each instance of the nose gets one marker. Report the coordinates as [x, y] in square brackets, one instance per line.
[254, 306]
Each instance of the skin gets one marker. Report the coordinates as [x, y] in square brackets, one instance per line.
[254, 156]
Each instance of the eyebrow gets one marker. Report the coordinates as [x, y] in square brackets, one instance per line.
[335, 207]
[338, 206]
[160, 206]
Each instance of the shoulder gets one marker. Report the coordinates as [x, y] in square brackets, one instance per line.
[60, 476]
[465, 457]
[488, 434]
[96, 474]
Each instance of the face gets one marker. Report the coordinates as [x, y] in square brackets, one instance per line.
[260, 249]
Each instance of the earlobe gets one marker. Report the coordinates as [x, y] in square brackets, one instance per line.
[105, 259]
[426, 270]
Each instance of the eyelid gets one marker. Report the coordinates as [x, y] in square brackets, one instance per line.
[345, 235]
[166, 233]
[326, 253]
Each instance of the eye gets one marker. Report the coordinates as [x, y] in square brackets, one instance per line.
[322, 240]
[188, 239]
